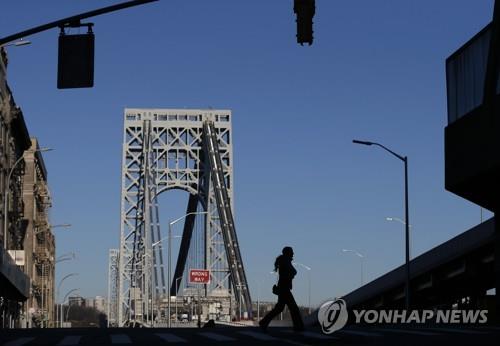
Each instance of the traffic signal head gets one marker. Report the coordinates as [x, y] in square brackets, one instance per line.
[76, 61]
[305, 10]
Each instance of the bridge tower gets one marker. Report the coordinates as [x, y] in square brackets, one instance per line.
[112, 303]
[191, 150]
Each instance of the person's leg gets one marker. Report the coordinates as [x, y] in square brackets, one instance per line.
[278, 308]
[298, 324]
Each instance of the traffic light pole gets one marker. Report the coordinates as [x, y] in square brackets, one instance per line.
[73, 20]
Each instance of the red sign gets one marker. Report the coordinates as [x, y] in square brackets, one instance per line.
[199, 276]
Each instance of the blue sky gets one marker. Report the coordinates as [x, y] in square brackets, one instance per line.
[376, 71]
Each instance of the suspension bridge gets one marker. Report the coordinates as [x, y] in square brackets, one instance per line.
[191, 150]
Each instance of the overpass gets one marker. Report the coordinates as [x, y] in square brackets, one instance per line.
[458, 271]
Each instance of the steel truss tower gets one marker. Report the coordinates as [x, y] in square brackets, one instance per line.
[166, 149]
[113, 270]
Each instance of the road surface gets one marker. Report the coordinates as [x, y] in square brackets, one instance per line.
[355, 335]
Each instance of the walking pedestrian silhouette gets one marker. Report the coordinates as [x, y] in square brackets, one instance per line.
[283, 265]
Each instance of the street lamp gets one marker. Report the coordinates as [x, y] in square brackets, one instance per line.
[63, 301]
[176, 298]
[69, 306]
[258, 300]
[170, 256]
[397, 219]
[59, 287]
[361, 258]
[147, 259]
[6, 197]
[65, 257]
[162, 239]
[150, 266]
[61, 225]
[407, 217]
[309, 279]
[17, 43]
[240, 300]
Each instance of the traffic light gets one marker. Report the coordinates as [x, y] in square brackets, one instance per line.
[75, 67]
[305, 10]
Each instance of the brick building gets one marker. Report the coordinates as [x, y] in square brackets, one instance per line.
[27, 245]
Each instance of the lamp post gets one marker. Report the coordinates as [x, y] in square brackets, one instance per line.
[397, 219]
[170, 257]
[407, 217]
[44, 301]
[59, 288]
[176, 300]
[64, 257]
[361, 258]
[69, 306]
[258, 301]
[6, 197]
[61, 306]
[146, 258]
[158, 243]
[239, 305]
[309, 280]
[259, 287]
[43, 295]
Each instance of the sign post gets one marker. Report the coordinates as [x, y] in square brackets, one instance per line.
[199, 276]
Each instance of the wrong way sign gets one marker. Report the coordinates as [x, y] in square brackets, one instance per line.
[199, 276]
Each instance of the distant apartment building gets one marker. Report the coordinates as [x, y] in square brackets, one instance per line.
[76, 301]
[89, 302]
[97, 303]
[100, 304]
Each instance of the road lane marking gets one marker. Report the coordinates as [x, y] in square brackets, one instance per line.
[217, 337]
[357, 332]
[120, 339]
[292, 342]
[19, 342]
[406, 331]
[489, 329]
[266, 337]
[70, 340]
[168, 337]
[259, 336]
[461, 331]
[312, 335]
